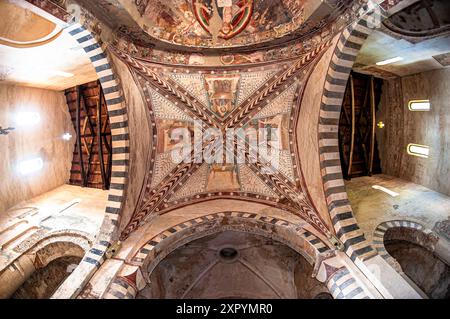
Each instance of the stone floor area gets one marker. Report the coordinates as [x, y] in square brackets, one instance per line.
[67, 207]
[414, 202]
[63, 201]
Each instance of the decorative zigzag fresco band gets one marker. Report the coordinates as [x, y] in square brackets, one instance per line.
[345, 225]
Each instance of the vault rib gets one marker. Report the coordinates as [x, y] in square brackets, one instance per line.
[171, 90]
[285, 77]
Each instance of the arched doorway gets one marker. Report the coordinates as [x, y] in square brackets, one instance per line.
[411, 250]
[44, 281]
[39, 272]
[425, 269]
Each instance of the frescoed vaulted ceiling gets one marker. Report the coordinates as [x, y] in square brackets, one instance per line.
[228, 65]
[176, 77]
[215, 25]
[248, 98]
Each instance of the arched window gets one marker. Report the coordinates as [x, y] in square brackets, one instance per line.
[419, 105]
[418, 150]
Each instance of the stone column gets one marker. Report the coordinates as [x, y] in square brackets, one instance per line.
[15, 275]
[386, 279]
[127, 284]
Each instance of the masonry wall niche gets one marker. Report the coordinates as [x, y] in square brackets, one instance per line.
[233, 265]
[39, 272]
[44, 281]
[424, 267]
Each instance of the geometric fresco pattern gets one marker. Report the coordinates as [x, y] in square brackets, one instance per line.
[232, 98]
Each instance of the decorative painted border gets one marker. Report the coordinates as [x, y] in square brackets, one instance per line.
[144, 252]
[343, 285]
[344, 222]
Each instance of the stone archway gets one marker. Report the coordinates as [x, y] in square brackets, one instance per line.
[117, 113]
[120, 140]
[38, 254]
[232, 264]
[405, 230]
[412, 250]
[344, 55]
[131, 278]
[52, 265]
[329, 268]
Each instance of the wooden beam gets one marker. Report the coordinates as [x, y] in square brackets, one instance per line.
[100, 139]
[85, 143]
[88, 118]
[372, 139]
[360, 134]
[78, 127]
[89, 149]
[105, 140]
[352, 143]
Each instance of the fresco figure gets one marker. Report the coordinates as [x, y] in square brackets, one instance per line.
[223, 18]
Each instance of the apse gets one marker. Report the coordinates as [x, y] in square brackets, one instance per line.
[233, 265]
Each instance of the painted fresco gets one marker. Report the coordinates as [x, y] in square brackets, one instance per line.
[166, 128]
[222, 93]
[277, 124]
[220, 22]
[223, 18]
[223, 178]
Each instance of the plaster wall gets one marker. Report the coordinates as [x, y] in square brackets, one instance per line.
[42, 140]
[307, 134]
[425, 128]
